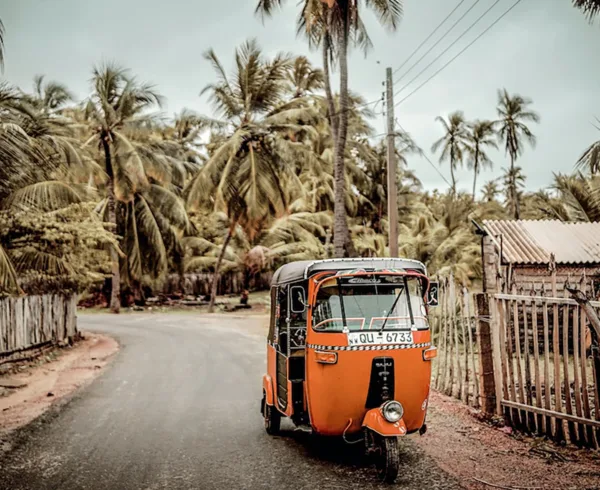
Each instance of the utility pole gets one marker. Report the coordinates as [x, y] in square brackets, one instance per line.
[392, 189]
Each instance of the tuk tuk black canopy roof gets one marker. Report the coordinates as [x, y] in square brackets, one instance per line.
[298, 271]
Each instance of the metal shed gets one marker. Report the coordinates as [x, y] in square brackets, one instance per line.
[536, 254]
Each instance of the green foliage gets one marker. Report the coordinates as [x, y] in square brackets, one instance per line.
[61, 250]
[250, 187]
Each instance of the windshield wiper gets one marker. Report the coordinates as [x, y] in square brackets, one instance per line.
[409, 303]
[391, 309]
[344, 322]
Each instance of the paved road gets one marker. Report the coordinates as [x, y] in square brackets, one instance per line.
[179, 408]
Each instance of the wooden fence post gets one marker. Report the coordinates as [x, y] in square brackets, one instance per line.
[487, 379]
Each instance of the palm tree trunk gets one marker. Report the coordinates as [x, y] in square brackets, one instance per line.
[115, 294]
[341, 235]
[452, 177]
[475, 172]
[333, 117]
[215, 282]
[513, 186]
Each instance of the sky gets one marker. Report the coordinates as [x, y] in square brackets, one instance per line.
[542, 49]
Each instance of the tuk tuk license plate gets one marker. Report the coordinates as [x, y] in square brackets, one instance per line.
[376, 338]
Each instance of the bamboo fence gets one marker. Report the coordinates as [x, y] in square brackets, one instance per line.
[454, 332]
[549, 371]
[31, 322]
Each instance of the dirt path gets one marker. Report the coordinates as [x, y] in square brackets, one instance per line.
[471, 450]
[47, 383]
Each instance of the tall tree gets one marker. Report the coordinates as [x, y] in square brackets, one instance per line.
[453, 144]
[245, 174]
[513, 181]
[336, 24]
[481, 136]
[513, 132]
[491, 191]
[119, 101]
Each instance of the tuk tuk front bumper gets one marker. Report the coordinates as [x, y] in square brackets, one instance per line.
[375, 421]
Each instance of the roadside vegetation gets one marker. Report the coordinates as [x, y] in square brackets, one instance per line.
[108, 193]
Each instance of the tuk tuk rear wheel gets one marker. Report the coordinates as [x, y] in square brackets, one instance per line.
[272, 419]
[388, 460]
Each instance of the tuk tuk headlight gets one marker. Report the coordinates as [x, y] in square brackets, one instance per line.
[392, 411]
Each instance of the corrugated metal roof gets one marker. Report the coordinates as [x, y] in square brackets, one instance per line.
[532, 242]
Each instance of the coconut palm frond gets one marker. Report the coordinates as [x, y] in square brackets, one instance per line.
[148, 226]
[32, 259]
[590, 8]
[8, 276]
[169, 205]
[590, 159]
[43, 196]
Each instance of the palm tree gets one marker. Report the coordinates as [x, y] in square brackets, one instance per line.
[119, 101]
[245, 174]
[491, 191]
[295, 236]
[303, 78]
[590, 159]
[50, 96]
[481, 135]
[590, 8]
[335, 24]
[186, 131]
[454, 143]
[513, 181]
[513, 131]
[40, 155]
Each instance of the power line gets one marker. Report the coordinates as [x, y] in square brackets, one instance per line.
[422, 153]
[451, 45]
[428, 37]
[460, 53]
[439, 40]
[359, 106]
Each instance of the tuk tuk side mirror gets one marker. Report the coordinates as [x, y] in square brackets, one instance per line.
[433, 294]
[298, 299]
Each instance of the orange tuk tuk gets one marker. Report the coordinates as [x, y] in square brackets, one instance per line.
[349, 351]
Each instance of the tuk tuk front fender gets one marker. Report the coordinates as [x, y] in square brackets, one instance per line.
[375, 421]
[268, 390]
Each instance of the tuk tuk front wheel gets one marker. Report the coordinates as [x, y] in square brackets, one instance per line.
[388, 459]
[272, 419]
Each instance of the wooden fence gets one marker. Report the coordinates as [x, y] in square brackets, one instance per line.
[546, 376]
[530, 356]
[33, 322]
[455, 333]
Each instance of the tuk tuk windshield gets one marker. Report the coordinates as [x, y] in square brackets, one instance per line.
[370, 303]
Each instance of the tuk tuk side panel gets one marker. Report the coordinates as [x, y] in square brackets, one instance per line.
[272, 371]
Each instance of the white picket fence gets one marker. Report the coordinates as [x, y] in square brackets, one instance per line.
[30, 322]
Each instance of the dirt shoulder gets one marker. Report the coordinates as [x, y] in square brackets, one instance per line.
[32, 388]
[482, 457]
